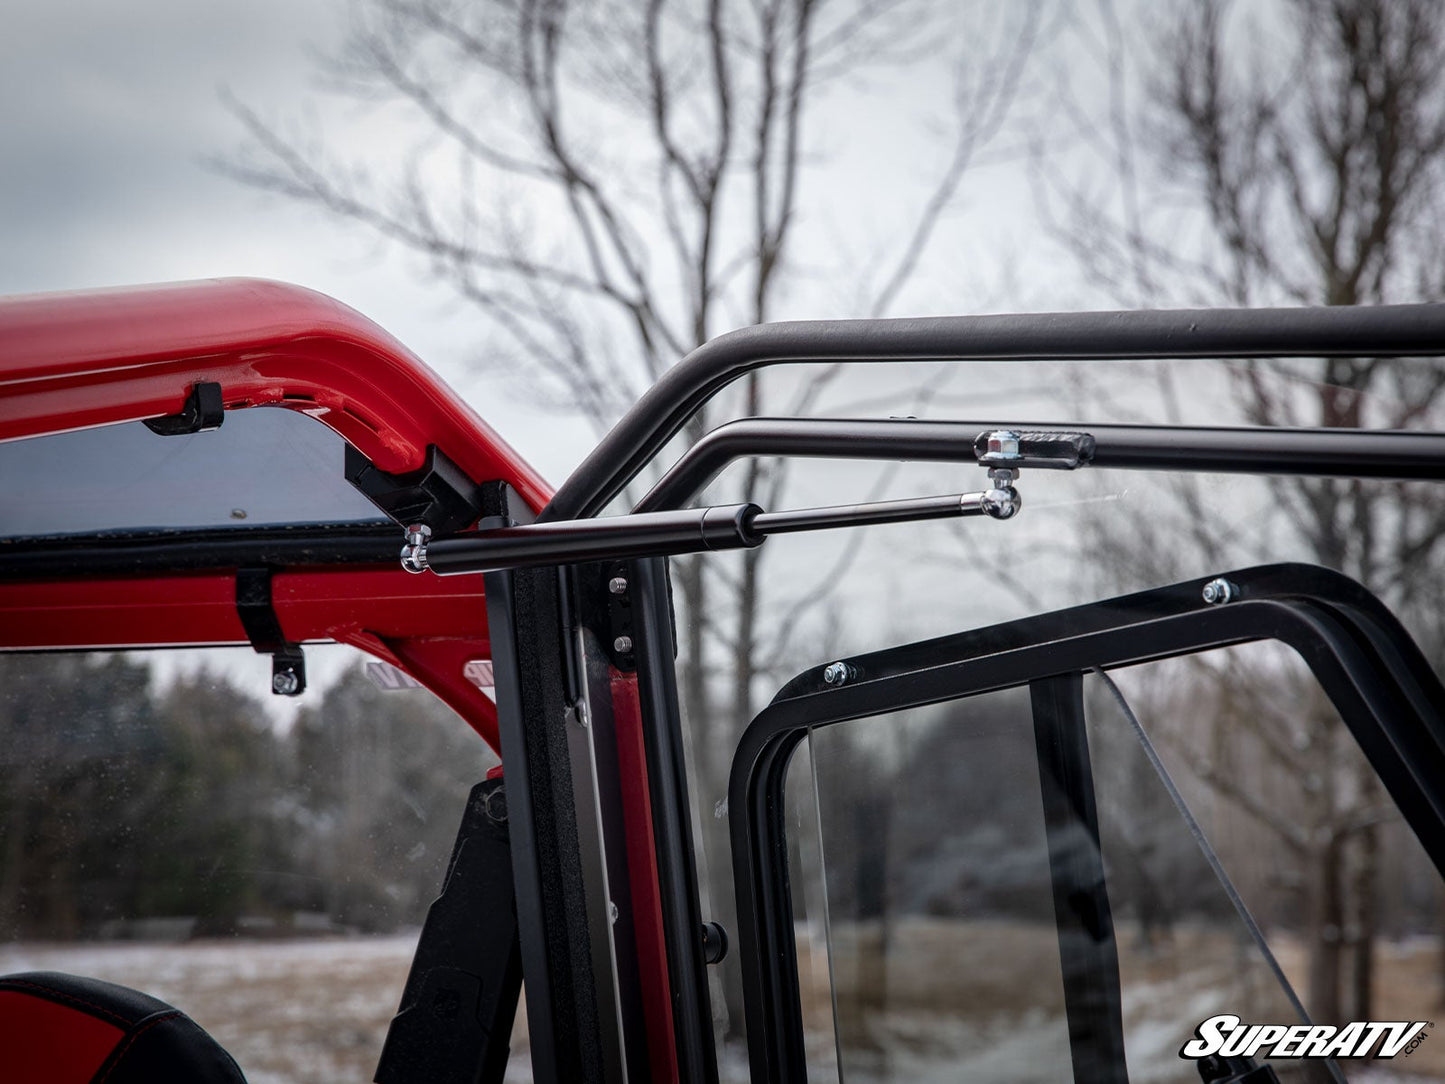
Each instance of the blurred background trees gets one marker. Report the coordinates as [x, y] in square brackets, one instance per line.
[122, 805]
[1286, 154]
[611, 184]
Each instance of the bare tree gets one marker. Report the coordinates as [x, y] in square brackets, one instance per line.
[613, 183]
[1292, 154]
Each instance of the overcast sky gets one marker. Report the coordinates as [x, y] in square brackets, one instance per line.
[109, 112]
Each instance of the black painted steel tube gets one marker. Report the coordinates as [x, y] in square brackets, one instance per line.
[1373, 331]
[672, 825]
[655, 534]
[1356, 453]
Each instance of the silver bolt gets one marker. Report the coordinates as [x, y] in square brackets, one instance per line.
[622, 645]
[617, 585]
[837, 673]
[612, 911]
[285, 683]
[1219, 591]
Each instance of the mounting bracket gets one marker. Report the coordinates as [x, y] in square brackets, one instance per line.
[263, 629]
[439, 495]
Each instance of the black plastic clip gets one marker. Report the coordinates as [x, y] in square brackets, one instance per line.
[204, 411]
[263, 629]
[714, 943]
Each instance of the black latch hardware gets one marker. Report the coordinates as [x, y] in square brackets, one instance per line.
[204, 410]
[714, 943]
[263, 629]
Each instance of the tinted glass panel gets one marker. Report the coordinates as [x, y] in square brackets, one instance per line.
[261, 467]
[944, 954]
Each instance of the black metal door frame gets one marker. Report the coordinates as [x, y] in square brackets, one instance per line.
[1384, 690]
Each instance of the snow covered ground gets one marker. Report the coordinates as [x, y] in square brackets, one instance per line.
[953, 1005]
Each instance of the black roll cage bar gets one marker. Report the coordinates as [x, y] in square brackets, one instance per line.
[1156, 335]
[1358, 453]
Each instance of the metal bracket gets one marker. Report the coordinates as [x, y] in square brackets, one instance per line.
[439, 495]
[263, 629]
[1004, 452]
[204, 411]
[1042, 449]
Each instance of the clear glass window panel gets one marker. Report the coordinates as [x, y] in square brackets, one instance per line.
[1185, 952]
[262, 467]
[262, 863]
[943, 950]
[1348, 902]
[932, 866]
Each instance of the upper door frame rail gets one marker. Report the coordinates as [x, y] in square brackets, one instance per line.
[1381, 684]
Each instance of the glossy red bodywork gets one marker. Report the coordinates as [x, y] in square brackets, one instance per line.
[72, 361]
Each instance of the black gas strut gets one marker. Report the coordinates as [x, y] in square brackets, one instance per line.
[738, 526]
[688, 530]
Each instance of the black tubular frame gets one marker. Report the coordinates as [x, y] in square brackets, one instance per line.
[1375, 331]
[1356, 453]
[1384, 689]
